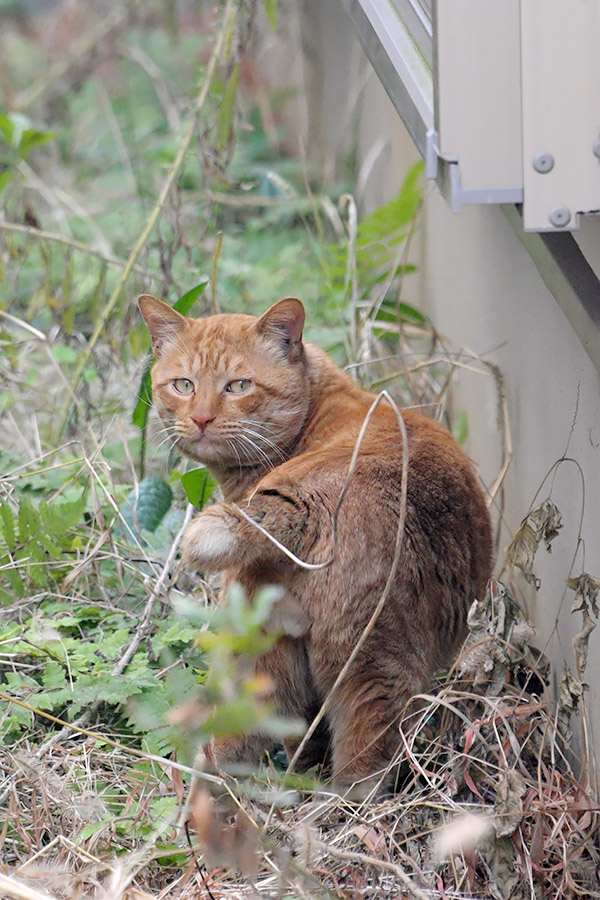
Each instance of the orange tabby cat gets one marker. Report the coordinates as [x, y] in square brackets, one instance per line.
[276, 423]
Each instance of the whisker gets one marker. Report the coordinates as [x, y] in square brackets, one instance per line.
[268, 442]
[270, 427]
[266, 461]
[231, 443]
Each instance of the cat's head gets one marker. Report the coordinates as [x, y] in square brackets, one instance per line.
[232, 390]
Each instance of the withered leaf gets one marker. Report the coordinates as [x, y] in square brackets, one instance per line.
[540, 525]
[586, 589]
[508, 808]
[581, 641]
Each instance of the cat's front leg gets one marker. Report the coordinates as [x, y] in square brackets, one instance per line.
[224, 535]
[210, 540]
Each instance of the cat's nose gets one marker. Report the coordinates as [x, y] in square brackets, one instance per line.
[202, 419]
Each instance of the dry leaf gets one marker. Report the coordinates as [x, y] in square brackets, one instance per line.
[508, 808]
[224, 842]
[581, 641]
[371, 838]
[540, 525]
[586, 589]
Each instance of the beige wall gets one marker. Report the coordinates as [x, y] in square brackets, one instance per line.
[481, 289]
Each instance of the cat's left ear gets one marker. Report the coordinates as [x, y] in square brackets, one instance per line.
[283, 324]
[163, 322]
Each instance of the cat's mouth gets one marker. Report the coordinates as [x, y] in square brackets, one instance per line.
[204, 447]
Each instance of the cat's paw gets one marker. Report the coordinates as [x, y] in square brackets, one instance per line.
[209, 540]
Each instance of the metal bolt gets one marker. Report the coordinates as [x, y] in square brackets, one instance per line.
[560, 216]
[596, 148]
[543, 162]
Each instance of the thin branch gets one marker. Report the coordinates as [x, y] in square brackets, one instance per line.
[364, 860]
[83, 47]
[19, 891]
[198, 109]
[67, 242]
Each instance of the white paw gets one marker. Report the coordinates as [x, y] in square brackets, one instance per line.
[207, 541]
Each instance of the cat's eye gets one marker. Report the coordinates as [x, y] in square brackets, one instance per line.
[183, 386]
[238, 386]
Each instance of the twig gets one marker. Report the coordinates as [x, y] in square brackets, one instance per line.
[22, 324]
[20, 891]
[364, 860]
[97, 736]
[158, 208]
[82, 49]
[67, 242]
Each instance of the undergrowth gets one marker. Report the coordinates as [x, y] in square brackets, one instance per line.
[129, 162]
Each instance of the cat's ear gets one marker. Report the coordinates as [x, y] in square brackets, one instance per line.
[163, 322]
[282, 324]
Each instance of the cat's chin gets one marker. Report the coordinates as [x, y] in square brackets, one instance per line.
[207, 450]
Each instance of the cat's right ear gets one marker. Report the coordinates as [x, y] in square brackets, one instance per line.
[282, 324]
[163, 322]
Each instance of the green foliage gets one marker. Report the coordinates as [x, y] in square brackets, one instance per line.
[17, 139]
[33, 540]
[379, 237]
[198, 486]
[65, 673]
[271, 11]
[233, 699]
[145, 507]
[460, 427]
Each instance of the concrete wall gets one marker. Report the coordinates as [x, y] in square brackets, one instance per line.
[481, 290]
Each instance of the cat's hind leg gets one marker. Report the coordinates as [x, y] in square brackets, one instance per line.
[365, 718]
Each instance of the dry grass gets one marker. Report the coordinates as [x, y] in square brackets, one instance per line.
[488, 805]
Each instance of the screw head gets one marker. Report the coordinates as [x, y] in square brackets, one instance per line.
[560, 216]
[596, 148]
[543, 162]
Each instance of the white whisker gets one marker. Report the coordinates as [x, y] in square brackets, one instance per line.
[231, 443]
[268, 442]
[262, 456]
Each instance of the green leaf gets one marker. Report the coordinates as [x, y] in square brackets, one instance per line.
[32, 138]
[271, 11]
[185, 303]
[144, 400]
[395, 215]
[7, 128]
[7, 520]
[146, 508]
[460, 427]
[93, 828]
[54, 675]
[198, 486]
[5, 177]
[13, 126]
[29, 521]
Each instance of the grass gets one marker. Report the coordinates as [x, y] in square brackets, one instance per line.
[127, 167]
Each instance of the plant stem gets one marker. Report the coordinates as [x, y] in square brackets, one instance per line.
[158, 207]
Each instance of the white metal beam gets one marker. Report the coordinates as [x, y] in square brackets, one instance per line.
[560, 46]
